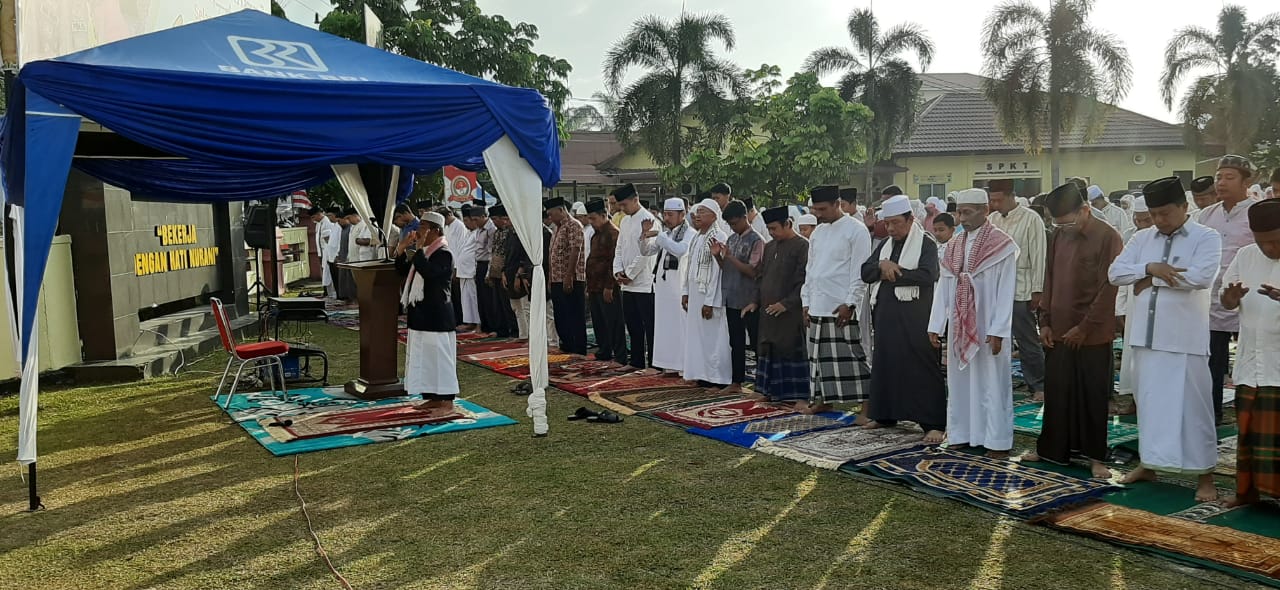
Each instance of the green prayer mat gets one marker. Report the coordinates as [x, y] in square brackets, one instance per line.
[1027, 420]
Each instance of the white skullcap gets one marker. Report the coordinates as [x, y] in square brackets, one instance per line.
[1140, 205]
[1022, 201]
[433, 217]
[972, 196]
[673, 204]
[1095, 192]
[579, 208]
[895, 206]
[951, 196]
[937, 203]
[807, 219]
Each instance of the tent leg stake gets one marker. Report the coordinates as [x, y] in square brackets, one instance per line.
[33, 499]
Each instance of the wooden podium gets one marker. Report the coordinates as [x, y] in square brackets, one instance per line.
[378, 291]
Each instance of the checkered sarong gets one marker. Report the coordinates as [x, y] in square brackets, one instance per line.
[1258, 446]
[838, 369]
[782, 379]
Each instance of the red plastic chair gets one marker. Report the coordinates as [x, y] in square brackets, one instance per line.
[255, 354]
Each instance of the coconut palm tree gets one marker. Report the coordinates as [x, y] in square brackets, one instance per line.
[1051, 72]
[1224, 105]
[877, 75]
[685, 87]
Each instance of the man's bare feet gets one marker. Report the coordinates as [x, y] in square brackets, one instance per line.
[1206, 491]
[1037, 396]
[616, 366]
[1137, 475]
[817, 409]
[997, 455]
[689, 383]
[1099, 471]
[934, 437]
[872, 425]
[1030, 457]
[957, 446]
[756, 397]
[650, 372]
[732, 389]
[1241, 500]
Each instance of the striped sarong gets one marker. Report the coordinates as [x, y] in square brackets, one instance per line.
[1258, 418]
[838, 369]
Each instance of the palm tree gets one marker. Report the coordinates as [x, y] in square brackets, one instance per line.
[1051, 72]
[584, 118]
[876, 75]
[685, 87]
[1226, 105]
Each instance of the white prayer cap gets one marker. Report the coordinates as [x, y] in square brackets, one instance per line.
[1255, 192]
[1140, 205]
[951, 196]
[895, 206]
[673, 204]
[1022, 201]
[1095, 192]
[937, 203]
[972, 196]
[579, 208]
[807, 219]
[433, 217]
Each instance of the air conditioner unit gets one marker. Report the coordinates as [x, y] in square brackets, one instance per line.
[1139, 159]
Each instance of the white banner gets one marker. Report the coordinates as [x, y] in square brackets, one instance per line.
[51, 28]
[372, 29]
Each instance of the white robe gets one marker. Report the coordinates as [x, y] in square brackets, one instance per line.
[326, 231]
[1124, 305]
[668, 287]
[761, 227]
[431, 363]
[980, 396]
[1168, 334]
[706, 351]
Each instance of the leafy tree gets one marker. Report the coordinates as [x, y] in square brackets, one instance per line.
[584, 118]
[1051, 72]
[805, 135]
[685, 91]
[1224, 107]
[876, 74]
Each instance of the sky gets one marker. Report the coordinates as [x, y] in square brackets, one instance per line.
[783, 33]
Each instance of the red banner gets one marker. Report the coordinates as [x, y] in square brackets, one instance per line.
[460, 186]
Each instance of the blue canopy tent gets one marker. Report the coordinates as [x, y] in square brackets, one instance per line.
[249, 106]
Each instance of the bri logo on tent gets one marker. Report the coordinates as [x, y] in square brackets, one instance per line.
[270, 53]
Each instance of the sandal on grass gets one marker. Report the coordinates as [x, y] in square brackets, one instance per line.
[606, 417]
[584, 414]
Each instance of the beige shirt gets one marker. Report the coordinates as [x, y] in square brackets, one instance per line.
[1027, 230]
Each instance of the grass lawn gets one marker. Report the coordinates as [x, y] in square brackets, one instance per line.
[150, 486]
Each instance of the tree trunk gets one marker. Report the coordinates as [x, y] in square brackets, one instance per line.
[1055, 137]
[871, 181]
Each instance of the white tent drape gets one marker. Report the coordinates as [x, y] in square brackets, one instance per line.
[349, 177]
[27, 403]
[521, 192]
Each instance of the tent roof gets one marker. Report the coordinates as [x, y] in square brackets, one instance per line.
[248, 90]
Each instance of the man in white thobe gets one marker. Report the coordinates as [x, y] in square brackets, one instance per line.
[1107, 211]
[326, 229]
[464, 260]
[756, 221]
[707, 357]
[634, 272]
[361, 247]
[1172, 267]
[1124, 304]
[670, 247]
[973, 303]
[455, 234]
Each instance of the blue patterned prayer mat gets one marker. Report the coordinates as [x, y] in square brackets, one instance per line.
[247, 409]
[1027, 420]
[748, 434]
[997, 485]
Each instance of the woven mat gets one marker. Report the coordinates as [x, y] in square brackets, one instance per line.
[1002, 486]
[749, 434]
[722, 413]
[627, 382]
[349, 420]
[479, 351]
[1227, 456]
[831, 449]
[1240, 550]
[513, 362]
[653, 400]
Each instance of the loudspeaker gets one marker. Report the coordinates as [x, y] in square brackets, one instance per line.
[687, 189]
[259, 226]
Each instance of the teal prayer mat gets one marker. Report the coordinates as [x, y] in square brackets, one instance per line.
[256, 411]
[1028, 420]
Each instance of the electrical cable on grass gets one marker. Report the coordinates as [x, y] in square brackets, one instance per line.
[319, 547]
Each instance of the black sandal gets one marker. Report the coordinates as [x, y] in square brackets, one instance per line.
[606, 417]
[584, 414]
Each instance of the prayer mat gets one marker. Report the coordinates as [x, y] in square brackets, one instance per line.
[1238, 550]
[523, 371]
[349, 420]
[471, 349]
[722, 413]
[1001, 486]
[247, 409]
[1028, 420]
[748, 434]
[1227, 456]
[832, 449]
[513, 349]
[631, 403]
[625, 382]
[522, 361]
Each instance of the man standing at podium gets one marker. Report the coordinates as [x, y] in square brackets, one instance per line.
[431, 364]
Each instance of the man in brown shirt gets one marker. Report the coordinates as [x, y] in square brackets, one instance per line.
[566, 280]
[603, 294]
[1077, 326]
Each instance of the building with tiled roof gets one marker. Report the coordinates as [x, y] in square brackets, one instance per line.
[955, 145]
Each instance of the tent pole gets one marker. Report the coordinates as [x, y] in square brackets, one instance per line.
[33, 499]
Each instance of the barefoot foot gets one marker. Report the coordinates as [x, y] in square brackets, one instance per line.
[1030, 457]
[872, 425]
[1137, 475]
[998, 455]
[1206, 491]
[934, 437]
[1099, 471]
[818, 409]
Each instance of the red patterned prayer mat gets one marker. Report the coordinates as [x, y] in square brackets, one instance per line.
[722, 413]
[634, 402]
[1230, 547]
[304, 426]
[523, 361]
[626, 382]
[479, 351]
[523, 371]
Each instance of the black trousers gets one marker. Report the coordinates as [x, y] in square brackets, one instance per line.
[1077, 391]
[492, 319]
[638, 309]
[611, 331]
[740, 330]
[571, 316]
[1219, 366]
[456, 295]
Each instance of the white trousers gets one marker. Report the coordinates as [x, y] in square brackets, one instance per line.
[431, 363]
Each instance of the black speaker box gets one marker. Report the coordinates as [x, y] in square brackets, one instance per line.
[259, 226]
